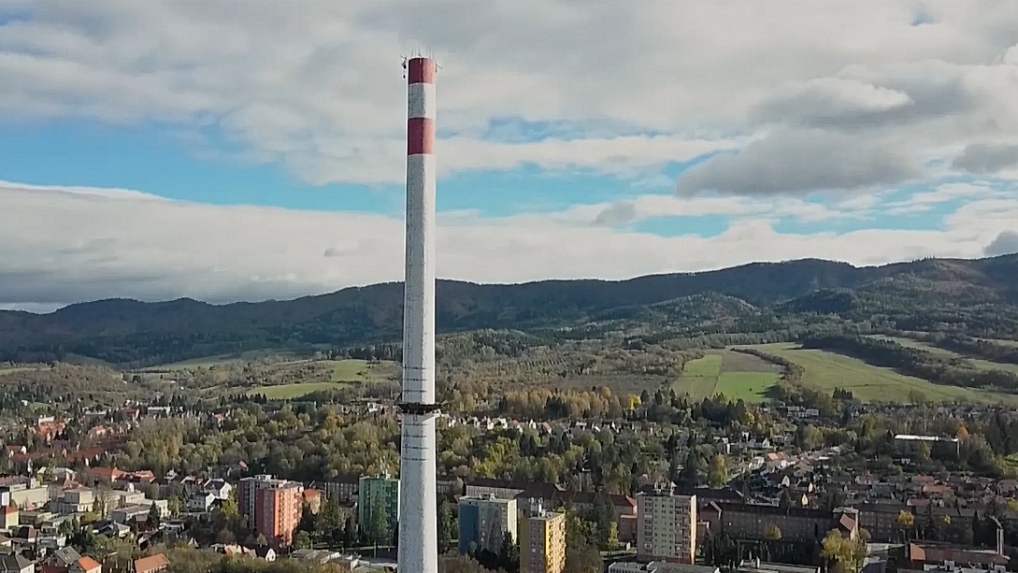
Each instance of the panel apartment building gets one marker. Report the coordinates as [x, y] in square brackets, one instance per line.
[378, 494]
[271, 506]
[484, 522]
[542, 540]
[666, 528]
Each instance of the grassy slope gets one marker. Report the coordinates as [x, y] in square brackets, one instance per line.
[828, 370]
[732, 374]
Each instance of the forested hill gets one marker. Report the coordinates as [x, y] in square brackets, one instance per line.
[127, 331]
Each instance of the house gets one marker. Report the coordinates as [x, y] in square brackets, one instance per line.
[218, 488]
[200, 502]
[61, 561]
[151, 564]
[9, 516]
[85, 565]
[313, 499]
[15, 563]
[105, 476]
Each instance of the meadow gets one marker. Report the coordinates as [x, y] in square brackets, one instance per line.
[732, 374]
[828, 371]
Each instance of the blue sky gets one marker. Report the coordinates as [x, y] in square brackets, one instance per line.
[273, 141]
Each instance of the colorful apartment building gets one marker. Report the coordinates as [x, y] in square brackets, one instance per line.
[542, 540]
[271, 506]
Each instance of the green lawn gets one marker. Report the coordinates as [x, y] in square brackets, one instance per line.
[828, 370]
[735, 375]
[977, 363]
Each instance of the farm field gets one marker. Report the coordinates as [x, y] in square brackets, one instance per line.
[828, 370]
[340, 373]
[733, 374]
[977, 363]
[289, 391]
[353, 370]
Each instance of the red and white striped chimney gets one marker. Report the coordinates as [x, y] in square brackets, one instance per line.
[418, 498]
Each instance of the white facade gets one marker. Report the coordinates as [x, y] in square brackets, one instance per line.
[666, 527]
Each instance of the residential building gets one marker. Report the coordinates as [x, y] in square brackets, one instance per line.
[85, 565]
[313, 498]
[200, 502]
[666, 529]
[484, 522]
[9, 516]
[277, 511]
[343, 489]
[659, 567]
[219, 488]
[750, 521]
[247, 498]
[15, 563]
[542, 539]
[378, 494]
[151, 564]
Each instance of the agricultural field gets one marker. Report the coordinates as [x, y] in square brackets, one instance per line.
[732, 374]
[340, 373]
[828, 371]
[977, 363]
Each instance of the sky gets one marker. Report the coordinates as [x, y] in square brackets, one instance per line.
[230, 150]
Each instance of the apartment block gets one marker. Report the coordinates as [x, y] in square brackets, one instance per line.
[542, 540]
[484, 522]
[278, 511]
[666, 528]
[271, 506]
[378, 494]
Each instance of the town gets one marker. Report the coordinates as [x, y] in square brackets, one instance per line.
[671, 485]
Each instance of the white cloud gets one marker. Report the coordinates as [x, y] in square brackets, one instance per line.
[316, 84]
[64, 246]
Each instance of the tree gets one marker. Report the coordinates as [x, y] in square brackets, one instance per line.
[302, 540]
[717, 473]
[509, 554]
[446, 526]
[261, 541]
[922, 452]
[154, 515]
[690, 475]
[850, 553]
[378, 526]
[906, 521]
[350, 533]
[772, 533]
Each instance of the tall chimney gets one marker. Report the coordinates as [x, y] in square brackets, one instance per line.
[418, 499]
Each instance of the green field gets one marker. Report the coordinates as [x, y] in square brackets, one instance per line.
[732, 374]
[289, 391]
[343, 372]
[828, 370]
[977, 363]
[352, 370]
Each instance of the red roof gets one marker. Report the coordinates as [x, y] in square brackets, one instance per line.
[111, 473]
[312, 493]
[156, 562]
[89, 564]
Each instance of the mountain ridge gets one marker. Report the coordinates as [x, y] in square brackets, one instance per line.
[128, 330]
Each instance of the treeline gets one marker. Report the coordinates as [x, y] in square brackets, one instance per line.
[914, 362]
[976, 347]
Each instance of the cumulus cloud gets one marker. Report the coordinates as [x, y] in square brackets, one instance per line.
[1006, 243]
[800, 162]
[59, 246]
[318, 88]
